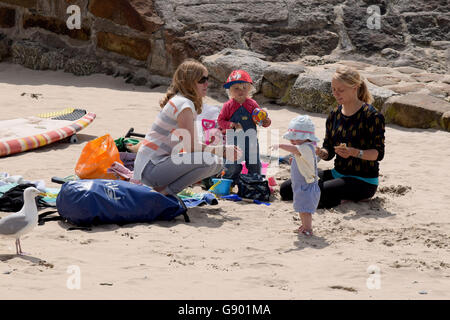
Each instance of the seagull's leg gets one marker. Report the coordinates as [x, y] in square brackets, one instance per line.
[17, 247]
[20, 247]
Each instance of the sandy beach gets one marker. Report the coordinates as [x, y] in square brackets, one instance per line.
[231, 250]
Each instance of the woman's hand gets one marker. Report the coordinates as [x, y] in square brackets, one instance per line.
[345, 152]
[274, 147]
[322, 153]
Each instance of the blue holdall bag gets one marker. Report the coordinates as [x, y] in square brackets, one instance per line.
[99, 201]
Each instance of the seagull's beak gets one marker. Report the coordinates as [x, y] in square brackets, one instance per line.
[43, 194]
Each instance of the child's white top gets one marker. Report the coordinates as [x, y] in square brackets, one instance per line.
[305, 162]
[209, 112]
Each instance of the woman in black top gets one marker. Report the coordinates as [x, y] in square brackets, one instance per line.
[355, 135]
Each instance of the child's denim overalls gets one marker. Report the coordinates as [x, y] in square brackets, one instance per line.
[251, 149]
[306, 195]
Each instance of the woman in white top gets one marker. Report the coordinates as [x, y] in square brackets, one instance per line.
[171, 158]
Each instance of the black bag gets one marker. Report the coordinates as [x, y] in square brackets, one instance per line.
[253, 186]
[12, 200]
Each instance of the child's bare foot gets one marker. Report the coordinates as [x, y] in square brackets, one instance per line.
[307, 232]
[306, 227]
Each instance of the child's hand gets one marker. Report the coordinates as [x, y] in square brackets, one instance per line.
[266, 122]
[236, 125]
[274, 147]
[322, 153]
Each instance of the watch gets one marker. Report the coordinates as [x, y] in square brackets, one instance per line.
[360, 154]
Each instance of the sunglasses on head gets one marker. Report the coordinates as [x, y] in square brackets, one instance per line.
[203, 80]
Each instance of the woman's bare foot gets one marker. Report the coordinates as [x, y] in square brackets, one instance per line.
[133, 147]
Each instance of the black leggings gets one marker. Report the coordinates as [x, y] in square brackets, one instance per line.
[334, 190]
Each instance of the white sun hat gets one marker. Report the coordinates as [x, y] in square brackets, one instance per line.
[301, 128]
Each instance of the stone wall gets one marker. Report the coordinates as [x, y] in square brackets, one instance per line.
[156, 35]
[290, 47]
[114, 38]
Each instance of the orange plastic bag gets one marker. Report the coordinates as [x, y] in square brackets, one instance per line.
[97, 156]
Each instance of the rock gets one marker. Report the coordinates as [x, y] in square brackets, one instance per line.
[82, 66]
[406, 87]
[312, 60]
[282, 31]
[312, 92]
[354, 64]
[209, 41]
[58, 9]
[423, 58]
[421, 6]
[34, 56]
[390, 53]
[427, 27]
[22, 3]
[440, 45]
[136, 48]
[156, 80]
[118, 11]
[159, 58]
[441, 89]
[289, 47]
[56, 26]
[445, 121]
[379, 94]
[416, 111]
[7, 18]
[5, 45]
[366, 40]
[426, 77]
[152, 21]
[408, 70]
[270, 91]
[382, 81]
[279, 78]
[221, 64]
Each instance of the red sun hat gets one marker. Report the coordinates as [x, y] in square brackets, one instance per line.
[237, 76]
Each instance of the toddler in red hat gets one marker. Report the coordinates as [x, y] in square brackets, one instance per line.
[239, 118]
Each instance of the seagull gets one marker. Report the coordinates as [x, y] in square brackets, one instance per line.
[19, 223]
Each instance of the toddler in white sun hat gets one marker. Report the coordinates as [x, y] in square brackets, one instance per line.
[304, 175]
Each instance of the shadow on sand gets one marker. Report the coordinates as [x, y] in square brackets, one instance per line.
[205, 216]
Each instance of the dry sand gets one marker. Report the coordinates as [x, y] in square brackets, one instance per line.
[232, 250]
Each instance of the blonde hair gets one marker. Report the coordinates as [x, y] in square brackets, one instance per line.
[243, 86]
[351, 77]
[184, 81]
